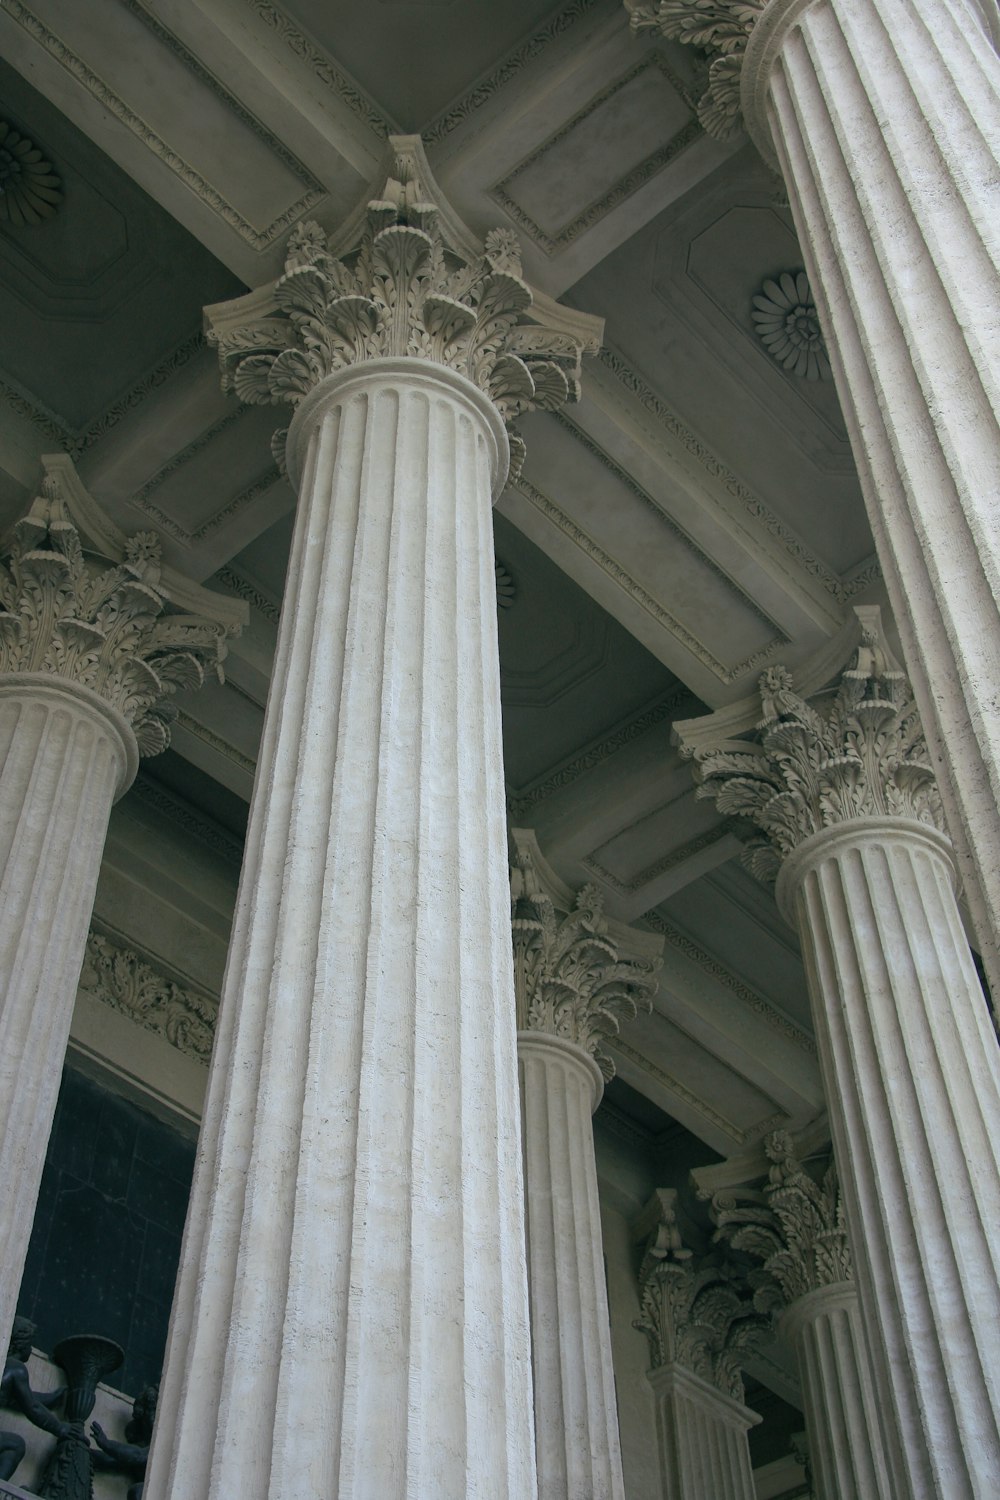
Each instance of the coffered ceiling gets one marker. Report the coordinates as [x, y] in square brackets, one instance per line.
[695, 517]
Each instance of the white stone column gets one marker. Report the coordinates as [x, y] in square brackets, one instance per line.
[847, 1450]
[701, 1436]
[702, 1324]
[575, 983]
[884, 117]
[794, 1225]
[351, 1316]
[88, 661]
[848, 802]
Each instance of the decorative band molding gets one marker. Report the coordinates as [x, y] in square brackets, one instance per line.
[118, 977]
[258, 239]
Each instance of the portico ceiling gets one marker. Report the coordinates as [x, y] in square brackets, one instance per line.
[696, 516]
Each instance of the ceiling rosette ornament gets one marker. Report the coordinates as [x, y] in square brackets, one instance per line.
[721, 28]
[408, 282]
[64, 612]
[569, 977]
[787, 324]
[30, 190]
[860, 753]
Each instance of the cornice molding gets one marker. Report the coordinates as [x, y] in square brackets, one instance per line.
[325, 69]
[640, 596]
[755, 507]
[491, 84]
[258, 238]
[685, 945]
[633, 180]
[244, 589]
[567, 771]
[151, 794]
[694, 1101]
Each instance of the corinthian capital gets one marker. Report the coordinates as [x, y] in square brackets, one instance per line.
[793, 1224]
[404, 278]
[101, 615]
[858, 753]
[698, 1312]
[571, 979]
[722, 29]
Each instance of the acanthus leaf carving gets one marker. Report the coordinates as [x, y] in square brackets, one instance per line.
[860, 754]
[62, 611]
[793, 1225]
[569, 977]
[697, 1311]
[722, 29]
[405, 288]
[120, 978]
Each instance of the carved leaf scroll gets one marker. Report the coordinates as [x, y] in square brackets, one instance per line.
[860, 754]
[721, 28]
[570, 980]
[62, 611]
[793, 1225]
[404, 290]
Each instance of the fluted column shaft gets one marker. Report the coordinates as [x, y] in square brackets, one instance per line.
[64, 757]
[912, 1072]
[351, 1316]
[702, 1438]
[885, 116]
[576, 1420]
[846, 1445]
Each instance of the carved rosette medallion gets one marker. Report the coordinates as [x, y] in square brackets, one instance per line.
[106, 628]
[858, 754]
[722, 29]
[406, 286]
[29, 188]
[570, 980]
[698, 1312]
[787, 324]
[793, 1225]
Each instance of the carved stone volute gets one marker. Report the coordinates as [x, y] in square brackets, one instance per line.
[857, 754]
[722, 28]
[570, 979]
[793, 1224]
[697, 1311]
[68, 612]
[405, 280]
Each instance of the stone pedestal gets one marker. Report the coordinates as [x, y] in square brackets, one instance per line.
[701, 1434]
[65, 755]
[576, 1421]
[846, 1447]
[911, 1062]
[885, 119]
